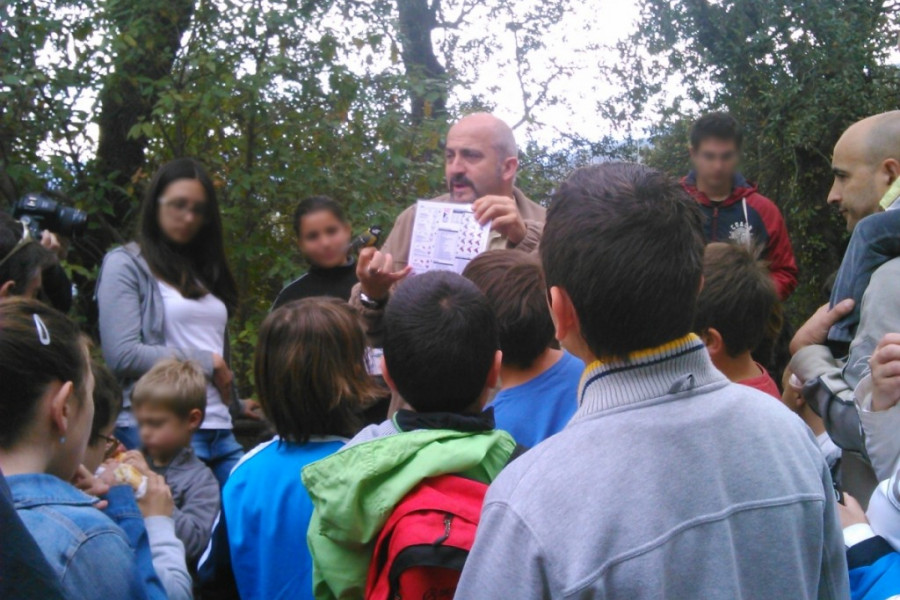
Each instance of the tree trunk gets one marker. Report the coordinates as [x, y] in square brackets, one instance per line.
[150, 33]
[148, 39]
[427, 77]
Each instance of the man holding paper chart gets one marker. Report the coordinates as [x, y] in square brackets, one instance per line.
[481, 161]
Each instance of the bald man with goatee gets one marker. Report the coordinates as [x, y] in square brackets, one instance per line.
[480, 166]
[857, 415]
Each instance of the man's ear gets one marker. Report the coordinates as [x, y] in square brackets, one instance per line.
[891, 168]
[387, 376]
[60, 407]
[195, 418]
[509, 169]
[6, 289]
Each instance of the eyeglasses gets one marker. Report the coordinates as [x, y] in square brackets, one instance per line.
[183, 206]
[112, 445]
[26, 239]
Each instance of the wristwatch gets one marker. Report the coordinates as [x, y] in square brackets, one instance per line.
[371, 304]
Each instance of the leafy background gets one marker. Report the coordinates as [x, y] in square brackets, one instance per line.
[351, 98]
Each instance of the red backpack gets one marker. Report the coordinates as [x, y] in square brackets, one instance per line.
[421, 551]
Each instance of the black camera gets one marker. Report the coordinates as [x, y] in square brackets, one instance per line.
[40, 212]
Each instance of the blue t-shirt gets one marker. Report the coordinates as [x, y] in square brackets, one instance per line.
[537, 409]
[267, 511]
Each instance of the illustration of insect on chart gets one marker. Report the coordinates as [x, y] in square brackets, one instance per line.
[446, 237]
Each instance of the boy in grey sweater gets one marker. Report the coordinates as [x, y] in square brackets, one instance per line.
[168, 402]
[670, 481]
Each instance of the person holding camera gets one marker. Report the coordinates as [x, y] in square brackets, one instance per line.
[51, 224]
[23, 260]
[31, 246]
[170, 293]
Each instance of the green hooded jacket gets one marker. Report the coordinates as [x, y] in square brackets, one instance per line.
[355, 491]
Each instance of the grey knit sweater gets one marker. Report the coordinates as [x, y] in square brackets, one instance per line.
[669, 482]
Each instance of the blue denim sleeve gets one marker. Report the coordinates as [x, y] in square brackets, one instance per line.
[104, 566]
[125, 512]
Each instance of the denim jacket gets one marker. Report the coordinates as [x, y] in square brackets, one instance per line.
[85, 548]
[124, 511]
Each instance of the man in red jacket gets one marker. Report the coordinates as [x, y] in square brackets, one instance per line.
[734, 210]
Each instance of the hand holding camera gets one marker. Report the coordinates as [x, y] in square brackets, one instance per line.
[48, 221]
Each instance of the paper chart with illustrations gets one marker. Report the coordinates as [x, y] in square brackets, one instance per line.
[446, 236]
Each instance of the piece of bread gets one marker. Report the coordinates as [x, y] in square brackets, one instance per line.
[128, 475]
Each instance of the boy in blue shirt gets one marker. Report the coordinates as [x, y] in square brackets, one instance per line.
[539, 382]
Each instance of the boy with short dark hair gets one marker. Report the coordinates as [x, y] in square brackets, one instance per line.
[649, 491]
[441, 354]
[538, 381]
[169, 403]
[735, 305]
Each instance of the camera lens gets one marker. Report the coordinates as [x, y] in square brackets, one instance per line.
[70, 221]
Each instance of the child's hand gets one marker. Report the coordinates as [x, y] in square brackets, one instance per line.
[137, 460]
[885, 364]
[851, 512]
[85, 481]
[157, 502]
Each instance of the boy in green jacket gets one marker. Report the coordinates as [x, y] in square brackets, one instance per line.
[441, 355]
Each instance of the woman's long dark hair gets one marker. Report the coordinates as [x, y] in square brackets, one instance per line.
[198, 267]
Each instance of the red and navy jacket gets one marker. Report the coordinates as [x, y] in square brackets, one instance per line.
[747, 217]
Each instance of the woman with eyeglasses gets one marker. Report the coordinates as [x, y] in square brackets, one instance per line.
[170, 293]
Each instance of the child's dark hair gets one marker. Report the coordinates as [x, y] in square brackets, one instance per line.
[625, 242]
[107, 399]
[310, 369]
[513, 283]
[718, 125]
[738, 298]
[440, 341]
[315, 204]
[38, 345]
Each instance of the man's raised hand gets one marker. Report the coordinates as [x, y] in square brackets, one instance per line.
[376, 274]
[504, 216]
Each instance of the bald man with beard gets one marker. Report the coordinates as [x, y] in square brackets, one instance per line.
[480, 167]
[866, 166]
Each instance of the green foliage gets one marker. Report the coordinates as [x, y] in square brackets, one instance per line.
[279, 99]
[794, 74]
[283, 99]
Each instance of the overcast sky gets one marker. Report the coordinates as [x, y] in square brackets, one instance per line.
[601, 23]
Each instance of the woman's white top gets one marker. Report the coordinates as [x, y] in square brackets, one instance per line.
[200, 325]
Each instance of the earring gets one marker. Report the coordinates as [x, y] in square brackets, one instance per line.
[62, 440]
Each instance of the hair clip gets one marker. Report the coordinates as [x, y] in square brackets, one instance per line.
[42, 331]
